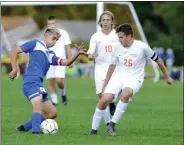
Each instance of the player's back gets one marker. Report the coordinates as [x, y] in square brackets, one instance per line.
[59, 47]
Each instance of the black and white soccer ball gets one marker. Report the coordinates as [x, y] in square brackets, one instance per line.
[49, 126]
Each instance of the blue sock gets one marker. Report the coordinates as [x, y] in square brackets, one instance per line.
[37, 119]
[28, 125]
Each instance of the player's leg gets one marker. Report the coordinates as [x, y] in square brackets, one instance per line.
[99, 85]
[49, 112]
[37, 116]
[128, 90]
[60, 77]
[34, 91]
[112, 104]
[48, 109]
[52, 90]
[102, 110]
[120, 109]
[51, 84]
[61, 86]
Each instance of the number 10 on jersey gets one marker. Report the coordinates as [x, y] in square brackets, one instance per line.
[108, 48]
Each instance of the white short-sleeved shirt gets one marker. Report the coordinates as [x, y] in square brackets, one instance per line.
[59, 47]
[131, 61]
[102, 45]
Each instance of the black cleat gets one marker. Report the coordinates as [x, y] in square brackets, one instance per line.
[111, 130]
[37, 133]
[20, 128]
[54, 104]
[64, 100]
[93, 132]
[112, 107]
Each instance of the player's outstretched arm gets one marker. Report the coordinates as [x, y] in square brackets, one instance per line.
[69, 61]
[164, 71]
[108, 76]
[13, 59]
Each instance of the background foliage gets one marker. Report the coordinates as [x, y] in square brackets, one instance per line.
[163, 22]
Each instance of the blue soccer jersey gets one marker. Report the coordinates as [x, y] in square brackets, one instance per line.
[40, 58]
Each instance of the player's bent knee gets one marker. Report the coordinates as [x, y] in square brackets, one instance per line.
[104, 101]
[51, 115]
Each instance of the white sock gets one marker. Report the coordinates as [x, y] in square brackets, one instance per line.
[106, 115]
[54, 98]
[63, 92]
[130, 99]
[120, 109]
[97, 117]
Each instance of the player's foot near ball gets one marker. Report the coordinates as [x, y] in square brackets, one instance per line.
[112, 107]
[111, 130]
[20, 128]
[37, 133]
[92, 132]
[64, 100]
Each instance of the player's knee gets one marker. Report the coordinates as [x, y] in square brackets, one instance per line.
[52, 115]
[127, 93]
[103, 102]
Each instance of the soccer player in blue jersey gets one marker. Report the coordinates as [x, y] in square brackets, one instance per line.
[40, 60]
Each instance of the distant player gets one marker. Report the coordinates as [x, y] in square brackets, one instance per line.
[130, 59]
[56, 74]
[101, 47]
[40, 60]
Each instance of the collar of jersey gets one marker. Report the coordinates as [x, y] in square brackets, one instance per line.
[43, 43]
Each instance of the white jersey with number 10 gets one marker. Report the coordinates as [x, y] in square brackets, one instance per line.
[102, 45]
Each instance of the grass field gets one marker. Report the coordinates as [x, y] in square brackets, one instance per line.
[154, 117]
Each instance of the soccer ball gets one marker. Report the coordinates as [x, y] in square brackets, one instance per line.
[49, 126]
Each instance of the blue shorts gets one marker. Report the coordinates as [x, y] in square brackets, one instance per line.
[33, 87]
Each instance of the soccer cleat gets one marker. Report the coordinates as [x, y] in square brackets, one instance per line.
[93, 132]
[64, 100]
[111, 130]
[20, 128]
[112, 107]
[37, 133]
[55, 104]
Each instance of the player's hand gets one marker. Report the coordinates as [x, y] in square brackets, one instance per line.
[13, 74]
[92, 56]
[81, 49]
[169, 80]
[72, 65]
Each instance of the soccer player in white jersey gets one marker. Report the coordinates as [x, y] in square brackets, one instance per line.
[101, 47]
[130, 59]
[56, 74]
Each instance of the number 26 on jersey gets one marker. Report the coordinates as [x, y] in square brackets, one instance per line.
[108, 48]
[128, 62]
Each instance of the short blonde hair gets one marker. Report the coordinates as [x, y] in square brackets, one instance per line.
[112, 17]
[53, 30]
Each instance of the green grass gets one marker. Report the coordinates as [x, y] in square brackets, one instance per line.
[154, 117]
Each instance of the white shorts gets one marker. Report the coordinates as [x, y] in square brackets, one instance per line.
[56, 72]
[99, 85]
[118, 82]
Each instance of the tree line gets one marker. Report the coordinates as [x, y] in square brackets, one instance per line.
[163, 22]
